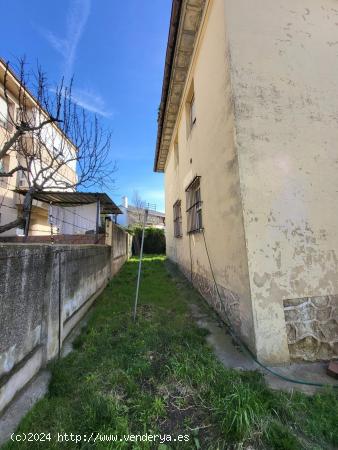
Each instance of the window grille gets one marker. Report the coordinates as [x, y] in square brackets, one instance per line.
[177, 219]
[194, 206]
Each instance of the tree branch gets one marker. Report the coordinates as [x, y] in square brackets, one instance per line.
[46, 154]
[12, 172]
[9, 144]
[14, 224]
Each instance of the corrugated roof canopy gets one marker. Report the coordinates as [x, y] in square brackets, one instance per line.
[76, 198]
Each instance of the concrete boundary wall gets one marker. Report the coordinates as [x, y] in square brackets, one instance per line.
[120, 242]
[44, 291]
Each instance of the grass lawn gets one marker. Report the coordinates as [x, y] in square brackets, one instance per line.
[158, 376]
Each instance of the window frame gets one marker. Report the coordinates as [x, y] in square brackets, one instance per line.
[177, 219]
[192, 111]
[4, 168]
[4, 120]
[194, 206]
[176, 154]
[6, 123]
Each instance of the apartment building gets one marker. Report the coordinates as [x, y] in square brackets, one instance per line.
[54, 143]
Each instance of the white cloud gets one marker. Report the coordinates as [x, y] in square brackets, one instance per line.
[90, 101]
[77, 18]
[76, 21]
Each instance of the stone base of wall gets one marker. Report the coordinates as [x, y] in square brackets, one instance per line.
[227, 307]
[312, 327]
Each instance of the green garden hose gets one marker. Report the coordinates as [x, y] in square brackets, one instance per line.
[245, 347]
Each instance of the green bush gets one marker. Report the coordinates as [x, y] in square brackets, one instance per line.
[154, 240]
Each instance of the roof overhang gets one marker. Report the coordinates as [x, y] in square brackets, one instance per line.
[185, 21]
[64, 199]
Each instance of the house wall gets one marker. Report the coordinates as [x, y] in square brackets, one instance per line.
[284, 69]
[8, 209]
[209, 151]
[37, 282]
[136, 217]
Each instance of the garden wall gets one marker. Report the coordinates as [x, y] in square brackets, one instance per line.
[120, 242]
[44, 291]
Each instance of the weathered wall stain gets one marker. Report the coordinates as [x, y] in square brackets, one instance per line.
[265, 146]
[44, 291]
[284, 84]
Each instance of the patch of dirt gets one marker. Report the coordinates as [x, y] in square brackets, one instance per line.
[145, 311]
[183, 414]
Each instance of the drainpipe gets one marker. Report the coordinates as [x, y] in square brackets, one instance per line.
[190, 257]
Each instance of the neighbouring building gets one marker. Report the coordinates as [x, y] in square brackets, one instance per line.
[247, 138]
[73, 217]
[134, 215]
[10, 199]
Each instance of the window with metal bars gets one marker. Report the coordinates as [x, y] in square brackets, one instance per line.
[177, 219]
[194, 206]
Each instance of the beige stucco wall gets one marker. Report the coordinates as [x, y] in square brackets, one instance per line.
[209, 152]
[285, 84]
[8, 198]
[10, 202]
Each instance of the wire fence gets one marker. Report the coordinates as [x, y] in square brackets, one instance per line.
[50, 222]
[54, 223]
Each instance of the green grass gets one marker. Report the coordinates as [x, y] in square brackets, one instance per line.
[158, 375]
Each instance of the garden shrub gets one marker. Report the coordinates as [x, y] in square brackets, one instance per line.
[154, 240]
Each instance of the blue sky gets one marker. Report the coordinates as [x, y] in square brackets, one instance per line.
[116, 52]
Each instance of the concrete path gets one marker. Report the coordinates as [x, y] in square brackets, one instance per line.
[232, 356]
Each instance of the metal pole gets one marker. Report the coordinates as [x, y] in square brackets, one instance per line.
[97, 219]
[97, 215]
[60, 306]
[140, 263]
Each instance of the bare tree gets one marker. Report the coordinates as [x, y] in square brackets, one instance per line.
[139, 205]
[48, 133]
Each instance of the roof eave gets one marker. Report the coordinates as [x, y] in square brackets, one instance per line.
[186, 16]
[172, 38]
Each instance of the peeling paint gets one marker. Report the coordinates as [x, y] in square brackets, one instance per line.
[312, 327]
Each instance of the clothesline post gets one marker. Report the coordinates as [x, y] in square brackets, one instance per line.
[97, 218]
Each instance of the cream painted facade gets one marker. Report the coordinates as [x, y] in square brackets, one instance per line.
[263, 76]
[10, 201]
